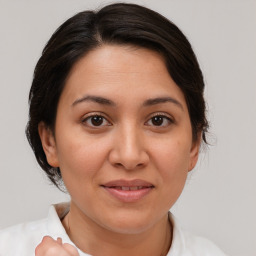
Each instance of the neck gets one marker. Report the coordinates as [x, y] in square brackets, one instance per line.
[88, 235]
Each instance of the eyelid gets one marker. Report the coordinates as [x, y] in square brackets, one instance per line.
[162, 114]
[92, 114]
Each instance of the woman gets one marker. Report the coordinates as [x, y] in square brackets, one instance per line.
[117, 116]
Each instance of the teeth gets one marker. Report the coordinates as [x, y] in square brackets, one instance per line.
[125, 188]
[132, 188]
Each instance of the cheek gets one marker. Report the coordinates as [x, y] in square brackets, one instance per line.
[172, 161]
[81, 159]
[173, 155]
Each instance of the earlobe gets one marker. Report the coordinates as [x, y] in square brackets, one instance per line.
[194, 153]
[48, 144]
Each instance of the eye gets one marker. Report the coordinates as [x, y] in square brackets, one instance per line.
[96, 121]
[159, 120]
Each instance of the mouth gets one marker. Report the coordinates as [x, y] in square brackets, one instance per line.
[128, 188]
[128, 191]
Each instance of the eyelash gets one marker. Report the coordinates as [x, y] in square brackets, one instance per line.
[104, 119]
[165, 117]
[92, 115]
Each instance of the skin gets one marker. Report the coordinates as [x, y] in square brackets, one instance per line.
[129, 144]
[49, 246]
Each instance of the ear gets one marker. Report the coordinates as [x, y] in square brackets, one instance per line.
[49, 144]
[194, 152]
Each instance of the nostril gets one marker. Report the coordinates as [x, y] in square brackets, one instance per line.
[128, 158]
[129, 166]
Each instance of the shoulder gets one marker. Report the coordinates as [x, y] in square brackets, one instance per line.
[184, 243]
[22, 239]
[201, 246]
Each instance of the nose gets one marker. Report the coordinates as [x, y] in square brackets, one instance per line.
[128, 149]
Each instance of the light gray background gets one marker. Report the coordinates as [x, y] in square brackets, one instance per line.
[219, 199]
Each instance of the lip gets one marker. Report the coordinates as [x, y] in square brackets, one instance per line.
[128, 190]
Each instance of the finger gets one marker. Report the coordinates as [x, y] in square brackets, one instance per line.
[50, 247]
[42, 247]
[47, 239]
[59, 240]
[70, 249]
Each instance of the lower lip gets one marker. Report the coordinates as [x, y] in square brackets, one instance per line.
[128, 196]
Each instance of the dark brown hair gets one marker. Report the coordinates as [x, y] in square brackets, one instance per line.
[118, 24]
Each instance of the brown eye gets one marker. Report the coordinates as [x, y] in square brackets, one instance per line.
[157, 120]
[96, 121]
[160, 121]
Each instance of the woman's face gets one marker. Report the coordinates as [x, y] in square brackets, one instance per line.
[123, 138]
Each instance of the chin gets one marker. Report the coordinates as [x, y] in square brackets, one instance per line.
[129, 223]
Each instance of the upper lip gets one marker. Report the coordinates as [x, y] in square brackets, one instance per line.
[128, 183]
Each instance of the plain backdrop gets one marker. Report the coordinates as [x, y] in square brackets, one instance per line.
[219, 199]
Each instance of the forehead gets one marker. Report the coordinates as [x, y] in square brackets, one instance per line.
[119, 59]
[116, 71]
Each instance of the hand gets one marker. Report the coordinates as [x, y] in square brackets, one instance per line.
[51, 247]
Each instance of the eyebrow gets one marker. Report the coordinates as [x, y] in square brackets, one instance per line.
[160, 100]
[96, 99]
[149, 102]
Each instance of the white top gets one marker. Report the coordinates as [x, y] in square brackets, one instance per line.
[21, 240]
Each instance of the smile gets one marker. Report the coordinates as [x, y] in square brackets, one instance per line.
[128, 188]
[128, 191]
